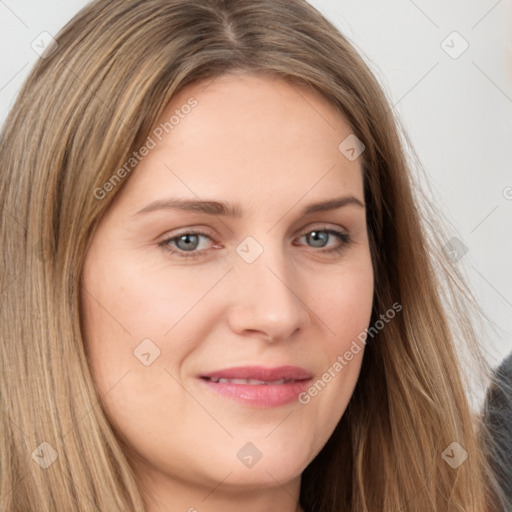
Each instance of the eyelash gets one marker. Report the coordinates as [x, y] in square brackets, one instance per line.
[165, 244]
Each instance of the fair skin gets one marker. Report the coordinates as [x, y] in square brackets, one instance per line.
[272, 149]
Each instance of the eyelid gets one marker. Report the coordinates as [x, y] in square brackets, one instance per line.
[316, 226]
[341, 232]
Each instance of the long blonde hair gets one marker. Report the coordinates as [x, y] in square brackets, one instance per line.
[88, 104]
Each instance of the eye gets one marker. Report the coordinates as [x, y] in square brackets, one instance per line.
[188, 244]
[185, 245]
[319, 238]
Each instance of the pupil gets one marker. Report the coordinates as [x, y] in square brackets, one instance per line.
[190, 242]
[318, 236]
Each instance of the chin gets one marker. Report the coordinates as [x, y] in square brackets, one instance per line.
[264, 475]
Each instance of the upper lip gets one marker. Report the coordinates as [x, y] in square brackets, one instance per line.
[260, 373]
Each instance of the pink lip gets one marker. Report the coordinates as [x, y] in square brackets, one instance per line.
[260, 395]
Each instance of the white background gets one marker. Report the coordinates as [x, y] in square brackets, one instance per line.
[457, 111]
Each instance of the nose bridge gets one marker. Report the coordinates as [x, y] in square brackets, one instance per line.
[268, 297]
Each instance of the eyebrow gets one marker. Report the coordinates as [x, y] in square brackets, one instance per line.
[234, 210]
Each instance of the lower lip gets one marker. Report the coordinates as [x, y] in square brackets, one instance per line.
[256, 395]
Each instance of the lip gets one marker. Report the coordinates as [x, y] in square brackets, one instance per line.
[271, 392]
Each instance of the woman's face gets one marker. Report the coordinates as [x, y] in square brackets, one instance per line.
[221, 259]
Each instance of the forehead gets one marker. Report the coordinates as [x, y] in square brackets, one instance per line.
[250, 137]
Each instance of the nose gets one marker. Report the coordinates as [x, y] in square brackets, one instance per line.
[267, 299]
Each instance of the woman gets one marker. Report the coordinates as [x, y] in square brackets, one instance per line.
[221, 293]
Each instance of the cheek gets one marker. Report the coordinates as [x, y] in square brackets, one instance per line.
[125, 302]
[131, 318]
[343, 306]
[153, 300]
[125, 317]
[343, 302]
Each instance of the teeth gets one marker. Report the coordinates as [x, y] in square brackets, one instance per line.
[252, 382]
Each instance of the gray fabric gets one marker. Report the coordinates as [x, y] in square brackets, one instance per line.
[498, 416]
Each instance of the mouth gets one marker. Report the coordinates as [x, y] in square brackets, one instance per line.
[258, 386]
[251, 382]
